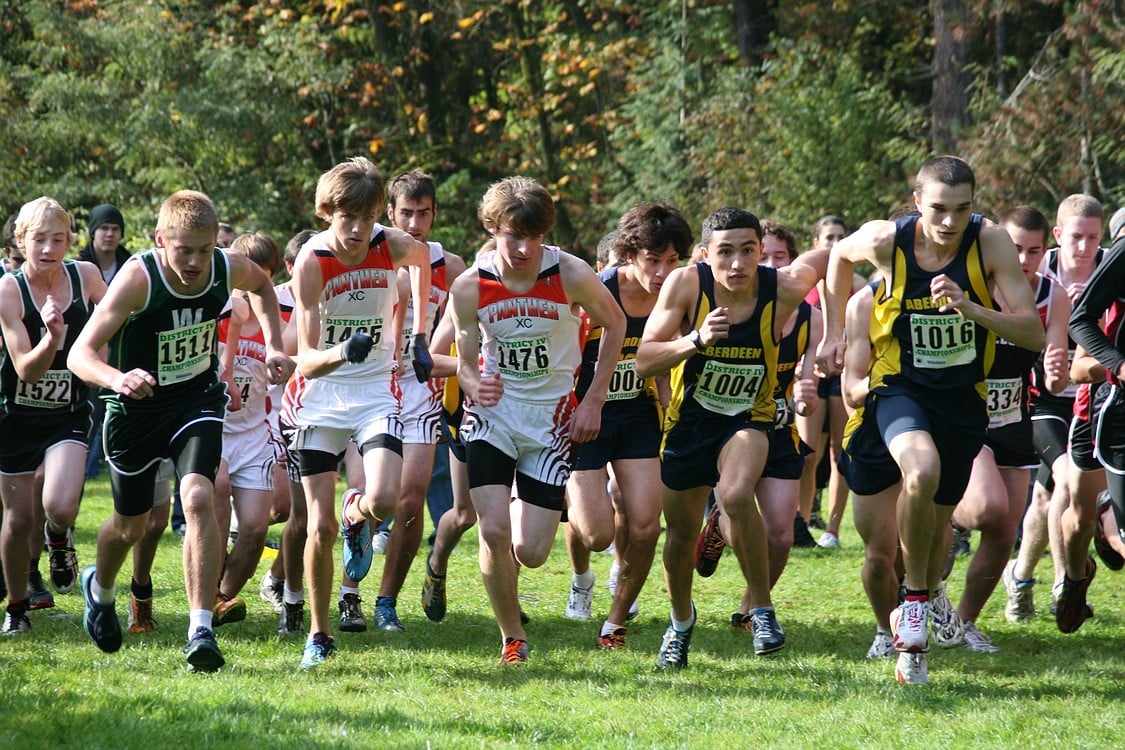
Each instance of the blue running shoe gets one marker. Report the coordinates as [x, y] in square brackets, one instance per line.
[767, 634]
[100, 621]
[318, 648]
[386, 618]
[357, 540]
[674, 649]
[202, 651]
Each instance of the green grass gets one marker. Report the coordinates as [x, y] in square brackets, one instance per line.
[440, 685]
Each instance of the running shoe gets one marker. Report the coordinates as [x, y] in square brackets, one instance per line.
[882, 647]
[514, 651]
[612, 641]
[386, 618]
[140, 616]
[768, 635]
[351, 614]
[433, 595]
[801, 535]
[710, 545]
[948, 629]
[1021, 596]
[828, 540]
[357, 540]
[292, 619]
[1072, 607]
[38, 597]
[202, 651]
[272, 594]
[228, 610]
[62, 562]
[99, 620]
[909, 629]
[978, 641]
[580, 603]
[16, 621]
[318, 648]
[675, 646]
[911, 669]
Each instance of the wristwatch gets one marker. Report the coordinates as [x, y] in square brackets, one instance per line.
[696, 339]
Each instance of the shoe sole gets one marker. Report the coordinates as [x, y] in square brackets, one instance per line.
[205, 659]
[237, 613]
[763, 650]
[353, 627]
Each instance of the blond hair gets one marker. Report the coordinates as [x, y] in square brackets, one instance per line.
[39, 213]
[517, 204]
[1079, 204]
[187, 209]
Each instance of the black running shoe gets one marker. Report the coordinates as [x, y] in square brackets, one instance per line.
[63, 562]
[202, 651]
[100, 621]
[1072, 609]
[38, 597]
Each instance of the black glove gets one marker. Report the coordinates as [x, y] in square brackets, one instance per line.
[357, 346]
[421, 359]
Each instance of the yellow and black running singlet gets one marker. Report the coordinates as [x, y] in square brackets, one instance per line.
[915, 345]
[736, 376]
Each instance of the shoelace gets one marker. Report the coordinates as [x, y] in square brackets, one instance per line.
[761, 625]
[674, 653]
[512, 651]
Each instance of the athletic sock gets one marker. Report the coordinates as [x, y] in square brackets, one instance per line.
[100, 595]
[584, 580]
[683, 625]
[199, 618]
[141, 593]
[294, 597]
[608, 627]
[349, 590]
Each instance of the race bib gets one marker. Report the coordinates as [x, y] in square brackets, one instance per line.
[624, 384]
[728, 389]
[525, 358]
[783, 415]
[942, 341]
[52, 391]
[1005, 397]
[339, 329]
[407, 340]
[184, 353]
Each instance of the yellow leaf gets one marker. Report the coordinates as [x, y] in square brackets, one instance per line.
[422, 120]
[398, 7]
[425, 18]
[465, 23]
[375, 145]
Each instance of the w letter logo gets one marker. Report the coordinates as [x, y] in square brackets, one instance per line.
[186, 317]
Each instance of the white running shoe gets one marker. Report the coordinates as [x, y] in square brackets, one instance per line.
[948, 630]
[978, 641]
[882, 647]
[911, 669]
[909, 626]
[828, 540]
[1021, 596]
[580, 602]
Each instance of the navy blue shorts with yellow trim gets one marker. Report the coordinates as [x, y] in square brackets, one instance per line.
[689, 455]
[628, 431]
[787, 454]
[955, 421]
[27, 438]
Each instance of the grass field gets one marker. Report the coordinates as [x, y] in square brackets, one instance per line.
[440, 685]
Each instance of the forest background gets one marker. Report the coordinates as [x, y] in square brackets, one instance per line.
[792, 109]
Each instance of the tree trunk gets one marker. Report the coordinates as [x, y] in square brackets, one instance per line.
[753, 23]
[949, 112]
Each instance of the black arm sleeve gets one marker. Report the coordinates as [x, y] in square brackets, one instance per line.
[1104, 288]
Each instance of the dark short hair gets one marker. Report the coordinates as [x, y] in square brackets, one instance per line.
[783, 233]
[1029, 218]
[729, 217]
[653, 226]
[948, 170]
[412, 186]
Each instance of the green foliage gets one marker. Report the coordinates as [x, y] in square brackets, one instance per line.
[607, 103]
